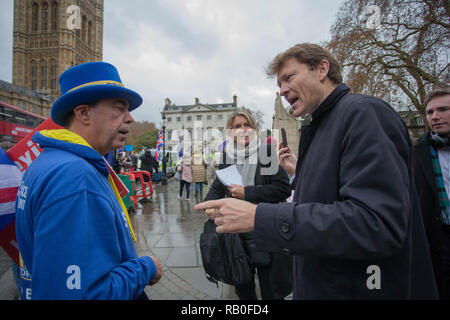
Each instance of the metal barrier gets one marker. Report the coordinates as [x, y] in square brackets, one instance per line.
[134, 176]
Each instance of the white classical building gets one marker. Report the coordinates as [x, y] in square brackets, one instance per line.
[198, 125]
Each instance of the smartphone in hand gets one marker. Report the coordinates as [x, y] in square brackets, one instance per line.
[283, 137]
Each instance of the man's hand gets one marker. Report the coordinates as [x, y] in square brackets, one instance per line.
[237, 191]
[210, 213]
[158, 271]
[231, 215]
[287, 159]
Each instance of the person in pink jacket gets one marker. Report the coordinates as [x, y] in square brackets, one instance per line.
[186, 175]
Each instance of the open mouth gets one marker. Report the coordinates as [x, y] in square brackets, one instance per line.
[293, 100]
[124, 131]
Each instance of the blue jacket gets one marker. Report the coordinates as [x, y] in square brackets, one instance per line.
[72, 233]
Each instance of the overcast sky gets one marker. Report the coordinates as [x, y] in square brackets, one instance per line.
[209, 49]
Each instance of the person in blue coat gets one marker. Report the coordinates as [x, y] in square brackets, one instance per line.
[73, 231]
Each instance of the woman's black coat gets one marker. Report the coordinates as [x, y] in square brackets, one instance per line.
[267, 188]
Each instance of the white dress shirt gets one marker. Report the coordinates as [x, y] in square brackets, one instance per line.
[444, 160]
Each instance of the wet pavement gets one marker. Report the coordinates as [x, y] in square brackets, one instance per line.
[170, 229]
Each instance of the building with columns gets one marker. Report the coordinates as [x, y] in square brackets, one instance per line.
[198, 124]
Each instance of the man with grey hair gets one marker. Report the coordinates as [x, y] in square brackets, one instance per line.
[353, 228]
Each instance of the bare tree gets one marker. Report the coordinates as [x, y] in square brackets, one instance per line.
[397, 50]
[257, 115]
[137, 129]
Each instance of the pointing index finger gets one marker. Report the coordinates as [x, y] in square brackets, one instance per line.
[212, 204]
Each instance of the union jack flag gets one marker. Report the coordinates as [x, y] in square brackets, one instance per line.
[9, 183]
[159, 145]
[180, 149]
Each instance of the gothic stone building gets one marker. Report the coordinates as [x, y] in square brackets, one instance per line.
[414, 122]
[284, 119]
[49, 37]
[25, 99]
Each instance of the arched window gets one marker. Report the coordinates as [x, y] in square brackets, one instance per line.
[44, 74]
[35, 18]
[83, 29]
[55, 14]
[90, 33]
[53, 74]
[419, 121]
[33, 75]
[45, 17]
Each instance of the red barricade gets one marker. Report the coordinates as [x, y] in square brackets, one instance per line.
[134, 175]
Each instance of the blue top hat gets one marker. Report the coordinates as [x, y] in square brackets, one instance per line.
[89, 82]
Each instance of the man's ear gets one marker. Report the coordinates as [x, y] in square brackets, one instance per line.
[323, 68]
[82, 113]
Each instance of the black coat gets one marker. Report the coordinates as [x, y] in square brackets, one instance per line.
[427, 190]
[355, 207]
[272, 188]
[148, 162]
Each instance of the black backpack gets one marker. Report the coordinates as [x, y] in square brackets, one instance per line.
[224, 258]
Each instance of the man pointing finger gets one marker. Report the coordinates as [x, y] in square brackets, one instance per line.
[354, 203]
[231, 215]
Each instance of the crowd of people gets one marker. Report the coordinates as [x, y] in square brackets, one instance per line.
[198, 169]
[368, 215]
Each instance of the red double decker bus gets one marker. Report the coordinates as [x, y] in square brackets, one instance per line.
[17, 123]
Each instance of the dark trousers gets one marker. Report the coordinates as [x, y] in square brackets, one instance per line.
[199, 185]
[188, 188]
[248, 291]
[446, 262]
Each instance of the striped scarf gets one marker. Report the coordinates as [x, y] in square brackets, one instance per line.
[444, 202]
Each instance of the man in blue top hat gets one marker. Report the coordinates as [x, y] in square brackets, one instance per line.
[73, 231]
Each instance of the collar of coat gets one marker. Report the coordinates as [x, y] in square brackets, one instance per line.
[330, 101]
[308, 131]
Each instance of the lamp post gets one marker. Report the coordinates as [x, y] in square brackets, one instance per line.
[164, 177]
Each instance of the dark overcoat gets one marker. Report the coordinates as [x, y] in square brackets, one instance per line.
[355, 227]
[269, 186]
[429, 202]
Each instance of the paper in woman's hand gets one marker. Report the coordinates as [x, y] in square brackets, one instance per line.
[229, 176]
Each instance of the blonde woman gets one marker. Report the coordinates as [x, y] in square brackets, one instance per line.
[243, 149]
